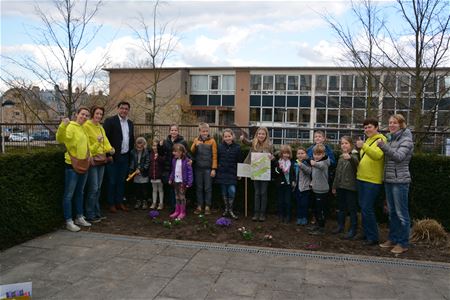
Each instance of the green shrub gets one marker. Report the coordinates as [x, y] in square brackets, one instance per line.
[31, 188]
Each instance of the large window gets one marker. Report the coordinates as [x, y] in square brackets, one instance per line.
[280, 82]
[293, 83]
[255, 82]
[199, 83]
[268, 83]
[305, 82]
[321, 83]
[212, 90]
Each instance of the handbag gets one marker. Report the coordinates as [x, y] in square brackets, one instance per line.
[80, 166]
[101, 159]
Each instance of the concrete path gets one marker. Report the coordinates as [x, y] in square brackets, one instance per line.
[84, 265]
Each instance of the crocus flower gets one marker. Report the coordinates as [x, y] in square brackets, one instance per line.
[153, 214]
[224, 222]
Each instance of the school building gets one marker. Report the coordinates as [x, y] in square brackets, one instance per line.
[284, 98]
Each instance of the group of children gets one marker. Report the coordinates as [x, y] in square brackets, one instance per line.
[307, 178]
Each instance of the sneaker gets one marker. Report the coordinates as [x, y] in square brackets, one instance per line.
[80, 221]
[138, 204]
[312, 227]
[255, 217]
[93, 220]
[72, 227]
[160, 206]
[398, 249]
[233, 215]
[207, 210]
[144, 204]
[198, 210]
[387, 244]
[153, 206]
[262, 218]
[101, 217]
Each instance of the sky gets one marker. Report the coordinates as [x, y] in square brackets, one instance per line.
[208, 33]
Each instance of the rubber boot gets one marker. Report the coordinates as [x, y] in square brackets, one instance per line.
[230, 208]
[340, 221]
[353, 227]
[226, 207]
[176, 212]
[182, 211]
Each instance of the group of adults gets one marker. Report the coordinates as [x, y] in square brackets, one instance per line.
[385, 160]
[86, 139]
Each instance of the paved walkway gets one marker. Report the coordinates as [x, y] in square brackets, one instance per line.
[84, 265]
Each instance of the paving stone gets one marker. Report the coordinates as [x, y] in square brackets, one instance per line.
[46, 289]
[17, 255]
[63, 253]
[72, 270]
[271, 294]
[182, 252]
[283, 279]
[415, 289]
[367, 273]
[27, 271]
[207, 262]
[237, 282]
[117, 268]
[326, 275]
[366, 290]
[294, 262]
[246, 262]
[188, 285]
[143, 250]
[139, 286]
[90, 288]
[312, 291]
[163, 266]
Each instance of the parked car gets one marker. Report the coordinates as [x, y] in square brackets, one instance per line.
[20, 137]
[41, 136]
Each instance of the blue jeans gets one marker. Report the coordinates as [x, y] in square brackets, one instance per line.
[117, 173]
[284, 201]
[302, 203]
[203, 186]
[399, 222]
[367, 195]
[321, 208]
[73, 189]
[94, 186]
[228, 190]
[260, 197]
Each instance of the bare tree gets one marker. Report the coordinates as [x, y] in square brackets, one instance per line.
[63, 34]
[411, 55]
[158, 41]
[358, 39]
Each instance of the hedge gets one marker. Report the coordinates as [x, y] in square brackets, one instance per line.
[31, 185]
[31, 188]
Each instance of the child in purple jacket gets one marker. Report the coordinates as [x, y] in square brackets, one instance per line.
[181, 178]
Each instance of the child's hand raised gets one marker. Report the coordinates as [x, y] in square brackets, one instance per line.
[313, 162]
[359, 143]
[346, 156]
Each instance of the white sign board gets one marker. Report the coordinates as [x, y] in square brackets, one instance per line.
[244, 170]
[260, 166]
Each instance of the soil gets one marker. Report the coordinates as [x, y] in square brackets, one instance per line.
[289, 236]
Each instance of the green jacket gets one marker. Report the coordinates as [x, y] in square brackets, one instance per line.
[345, 176]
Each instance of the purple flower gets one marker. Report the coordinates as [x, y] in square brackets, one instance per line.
[153, 214]
[224, 222]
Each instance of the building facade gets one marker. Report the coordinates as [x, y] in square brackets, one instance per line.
[285, 98]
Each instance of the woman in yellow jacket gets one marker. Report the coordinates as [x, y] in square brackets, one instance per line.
[73, 136]
[98, 145]
[370, 178]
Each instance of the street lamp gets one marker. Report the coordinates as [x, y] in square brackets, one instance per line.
[7, 104]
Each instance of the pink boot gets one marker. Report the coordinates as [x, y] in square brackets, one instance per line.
[176, 212]
[182, 211]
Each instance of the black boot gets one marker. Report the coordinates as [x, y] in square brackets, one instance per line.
[226, 209]
[353, 227]
[340, 221]
[230, 208]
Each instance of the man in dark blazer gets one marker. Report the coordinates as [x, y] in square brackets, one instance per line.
[120, 132]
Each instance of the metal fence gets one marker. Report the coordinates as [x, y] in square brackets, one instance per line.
[26, 136]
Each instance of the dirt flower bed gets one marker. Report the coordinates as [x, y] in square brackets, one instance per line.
[244, 231]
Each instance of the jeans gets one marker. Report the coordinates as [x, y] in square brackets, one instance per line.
[73, 189]
[284, 201]
[302, 203]
[367, 195]
[117, 173]
[94, 186]
[228, 190]
[320, 210]
[399, 222]
[260, 196]
[203, 186]
[347, 203]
